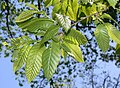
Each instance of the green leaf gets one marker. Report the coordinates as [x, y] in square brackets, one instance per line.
[21, 57]
[19, 42]
[70, 13]
[48, 3]
[57, 7]
[50, 59]
[40, 33]
[71, 40]
[51, 32]
[102, 37]
[75, 52]
[118, 49]
[75, 35]
[25, 15]
[32, 6]
[64, 21]
[107, 16]
[35, 24]
[113, 32]
[64, 54]
[75, 8]
[112, 2]
[65, 47]
[54, 2]
[5, 43]
[34, 61]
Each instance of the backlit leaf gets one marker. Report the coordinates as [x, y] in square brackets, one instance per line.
[113, 32]
[21, 57]
[50, 60]
[32, 6]
[75, 8]
[113, 2]
[48, 3]
[52, 31]
[25, 15]
[75, 52]
[64, 21]
[35, 24]
[118, 49]
[107, 16]
[70, 13]
[102, 37]
[75, 35]
[34, 61]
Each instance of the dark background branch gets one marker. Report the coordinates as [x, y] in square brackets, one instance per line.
[105, 81]
[38, 15]
[39, 7]
[116, 86]
[7, 19]
[86, 26]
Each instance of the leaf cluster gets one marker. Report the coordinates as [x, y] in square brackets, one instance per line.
[58, 36]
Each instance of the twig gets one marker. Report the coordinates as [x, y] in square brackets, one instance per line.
[86, 26]
[116, 86]
[7, 17]
[83, 18]
[92, 78]
[39, 7]
[105, 81]
[38, 15]
[42, 81]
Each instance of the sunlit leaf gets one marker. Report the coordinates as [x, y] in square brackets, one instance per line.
[107, 16]
[65, 47]
[21, 57]
[113, 2]
[48, 3]
[75, 8]
[71, 40]
[32, 6]
[75, 52]
[50, 60]
[25, 15]
[34, 61]
[118, 49]
[63, 53]
[64, 21]
[102, 37]
[35, 24]
[54, 2]
[19, 42]
[70, 13]
[113, 32]
[75, 35]
[51, 32]
[5, 43]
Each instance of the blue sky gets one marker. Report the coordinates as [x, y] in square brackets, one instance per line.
[7, 76]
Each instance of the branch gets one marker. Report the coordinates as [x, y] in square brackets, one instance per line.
[83, 18]
[39, 7]
[116, 86]
[105, 81]
[86, 26]
[92, 79]
[38, 15]
[42, 81]
[7, 17]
